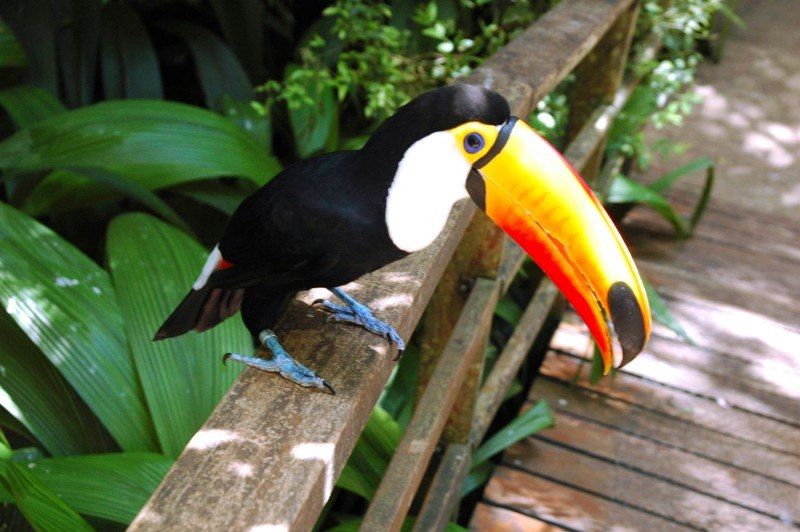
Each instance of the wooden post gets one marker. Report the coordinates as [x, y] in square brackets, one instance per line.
[597, 79]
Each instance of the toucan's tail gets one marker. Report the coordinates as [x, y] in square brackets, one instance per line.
[200, 310]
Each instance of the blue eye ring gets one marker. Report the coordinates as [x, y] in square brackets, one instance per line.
[473, 142]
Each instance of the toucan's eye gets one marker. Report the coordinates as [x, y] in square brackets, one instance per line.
[473, 143]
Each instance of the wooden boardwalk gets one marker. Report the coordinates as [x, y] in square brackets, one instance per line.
[685, 437]
[703, 436]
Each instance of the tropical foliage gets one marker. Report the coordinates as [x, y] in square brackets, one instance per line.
[180, 109]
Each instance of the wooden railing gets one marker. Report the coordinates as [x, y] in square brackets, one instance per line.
[271, 451]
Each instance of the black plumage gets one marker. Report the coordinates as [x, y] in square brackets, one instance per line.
[321, 222]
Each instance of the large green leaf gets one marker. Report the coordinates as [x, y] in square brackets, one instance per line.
[11, 54]
[156, 143]
[371, 455]
[153, 266]
[221, 196]
[128, 59]
[78, 39]
[66, 190]
[27, 104]
[111, 486]
[242, 23]
[35, 393]
[217, 68]
[65, 304]
[43, 509]
[34, 26]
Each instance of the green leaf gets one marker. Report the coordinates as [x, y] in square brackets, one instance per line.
[66, 190]
[705, 196]
[477, 477]
[251, 117]
[220, 196]
[529, 422]
[11, 54]
[662, 314]
[158, 144]
[77, 41]
[668, 179]
[314, 124]
[217, 68]
[27, 105]
[35, 393]
[128, 60]
[509, 311]
[624, 190]
[596, 371]
[111, 486]
[371, 455]
[242, 23]
[43, 509]
[65, 304]
[153, 266]
[34, 26]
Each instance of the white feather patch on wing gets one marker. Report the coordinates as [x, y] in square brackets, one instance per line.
[430, 178]
[208, 268]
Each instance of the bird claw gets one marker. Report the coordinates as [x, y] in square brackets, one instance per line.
[359, 314]
[283, 364]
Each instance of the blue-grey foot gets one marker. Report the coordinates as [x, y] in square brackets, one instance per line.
[360, 314]
[281, 362]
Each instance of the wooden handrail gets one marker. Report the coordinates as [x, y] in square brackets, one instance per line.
[271, 451]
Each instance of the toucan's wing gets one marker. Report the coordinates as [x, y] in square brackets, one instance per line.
[277, 236]
[270, 275]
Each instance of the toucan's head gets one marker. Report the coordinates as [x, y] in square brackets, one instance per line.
[461, 141]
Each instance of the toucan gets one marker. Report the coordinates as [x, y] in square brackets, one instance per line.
[327, 220]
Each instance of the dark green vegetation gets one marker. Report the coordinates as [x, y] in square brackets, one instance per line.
[180, 109]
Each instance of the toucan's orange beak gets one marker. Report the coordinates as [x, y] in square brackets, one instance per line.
[536, 197]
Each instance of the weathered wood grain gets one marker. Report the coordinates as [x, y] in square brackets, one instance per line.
[272, 450]
[633, 488]
[728, 381]
[402, 478]
[667, 430]
[565, 506]
[496, 519]
[677, 403]
[769, 496]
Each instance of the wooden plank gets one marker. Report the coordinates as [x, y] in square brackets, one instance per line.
[533, 64]
[700, 411]
[769, 496]
[566, 506]
[667, 430]
[496, 519]
[728, 381]
[597, 79]
[633, 488]
[444, 493]
[752, 338]
[703, 268]
[725, 225]
[271, 449]
[404, 473]
[514, 353]
[478, 255]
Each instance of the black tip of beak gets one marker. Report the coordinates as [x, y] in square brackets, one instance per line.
[628, 320]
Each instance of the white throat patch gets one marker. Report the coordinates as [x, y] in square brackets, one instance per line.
[430, 178]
